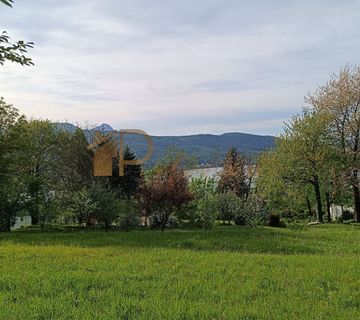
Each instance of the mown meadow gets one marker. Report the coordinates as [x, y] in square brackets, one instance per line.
[229, 272]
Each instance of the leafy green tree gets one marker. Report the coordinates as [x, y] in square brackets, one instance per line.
[254, 211]
[11, 204]
[75, 166]
[202, 209]
[49, 209]
[11, 164]
[42, 150]
[145, 197]
[83, 205]
[202, 187]
[206, 211]
[7, 2]
[281, 195]
[14, 52]
[303, 156]
[108, 205]
[339, 99]
[228, 206]
[128, 214]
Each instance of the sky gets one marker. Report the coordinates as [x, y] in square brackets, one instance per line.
[176, 67]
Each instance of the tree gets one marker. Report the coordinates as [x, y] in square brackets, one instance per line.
[7, 2]
[203, 208]
[254, 211]
[169, 189]
[43, 165]
[228, 205]
[206, 211]
[49, 209]
[14, 52]
[303, 155]
[127, 214]
[340, 100]
[202, 187]
[233, 177]
[83, 205]
[282, 196]
[11, 164]
[126, 186]
[11, 204]
[74, 163]
[145, 199]
[107, 205]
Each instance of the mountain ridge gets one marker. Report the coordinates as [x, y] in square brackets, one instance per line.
[207, 148]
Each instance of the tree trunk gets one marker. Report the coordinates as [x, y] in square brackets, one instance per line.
[309, 205]
[319, 210]
[146, 220]
[34, 220]
[328, 205]
[356, 193]
[164, 222]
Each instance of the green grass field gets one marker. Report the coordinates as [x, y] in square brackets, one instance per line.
[225, 273]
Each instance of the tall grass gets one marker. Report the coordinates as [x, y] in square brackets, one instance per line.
[225, 273]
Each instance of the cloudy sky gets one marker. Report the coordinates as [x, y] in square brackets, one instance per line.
[177, 66]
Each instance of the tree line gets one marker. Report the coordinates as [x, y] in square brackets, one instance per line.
[47, 172]
[316, 160]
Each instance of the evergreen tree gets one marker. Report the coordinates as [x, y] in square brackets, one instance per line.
[233, 177]
[126, 186]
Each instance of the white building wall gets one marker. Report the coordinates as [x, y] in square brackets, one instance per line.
[22, 222]
[337, 211]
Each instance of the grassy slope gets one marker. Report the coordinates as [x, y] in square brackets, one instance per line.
[227, 273]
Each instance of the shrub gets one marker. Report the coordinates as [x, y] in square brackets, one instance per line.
[82, 205]
[347, 215]
[108, 206]
[240, 220]
[201, 210]
[168, 187]
[48, 209]
[255, 211]
[155, 222]
[202, 187]
[229, 205]
[275, 221]
[173, 222]
[206, 212]
[127, 214]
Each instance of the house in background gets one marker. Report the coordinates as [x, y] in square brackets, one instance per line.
[336, 211]
[214, 172]
[22, 222]
[204, 172]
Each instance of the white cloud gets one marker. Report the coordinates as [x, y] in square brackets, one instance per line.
[164, 66]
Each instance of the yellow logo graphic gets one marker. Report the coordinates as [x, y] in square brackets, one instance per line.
[105, 148]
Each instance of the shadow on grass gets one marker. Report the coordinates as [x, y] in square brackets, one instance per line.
[222, 238]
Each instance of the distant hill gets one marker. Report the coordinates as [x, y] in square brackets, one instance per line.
[103, 127]
[206, 148]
